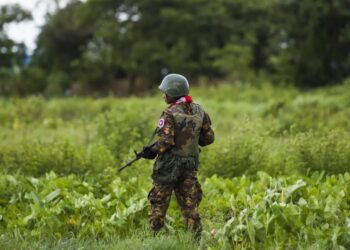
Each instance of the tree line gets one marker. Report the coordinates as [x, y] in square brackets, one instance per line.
[127, 46]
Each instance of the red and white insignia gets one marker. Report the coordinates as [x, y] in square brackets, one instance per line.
[161, 123]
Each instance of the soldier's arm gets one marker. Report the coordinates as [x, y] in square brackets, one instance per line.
[206, 135]
[165, 132]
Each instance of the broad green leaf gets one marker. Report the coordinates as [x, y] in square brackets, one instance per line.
[53, 195]
[251, 231]
[293, 188]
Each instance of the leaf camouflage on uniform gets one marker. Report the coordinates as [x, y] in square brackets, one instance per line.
[181, 129]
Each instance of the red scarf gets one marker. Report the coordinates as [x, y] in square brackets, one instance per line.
[187, 99]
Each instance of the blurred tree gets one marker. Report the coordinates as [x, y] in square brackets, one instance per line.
[146, 39]
[103, 42]
[60, 44]
[135, 39]
[10, 50]
[12, 54]
[61, 40]
[316, 40]
[247, 49]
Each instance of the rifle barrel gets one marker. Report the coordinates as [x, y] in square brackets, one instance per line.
[128, 164]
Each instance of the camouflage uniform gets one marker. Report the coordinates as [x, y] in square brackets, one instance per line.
[182, 128]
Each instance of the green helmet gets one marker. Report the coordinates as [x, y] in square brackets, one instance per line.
[175, 85]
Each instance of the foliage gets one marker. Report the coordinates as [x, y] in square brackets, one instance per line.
[12, 53]
[316, 40]
[259, 212]
[292, 212]
[60, 43]
[277, 176]
[127, 46]
[140, 239]
[277, 130]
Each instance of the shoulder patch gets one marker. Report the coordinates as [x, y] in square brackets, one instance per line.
[161, 123]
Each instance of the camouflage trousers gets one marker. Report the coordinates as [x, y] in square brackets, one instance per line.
[188, 194]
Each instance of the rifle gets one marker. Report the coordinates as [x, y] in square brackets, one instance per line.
[138, 156]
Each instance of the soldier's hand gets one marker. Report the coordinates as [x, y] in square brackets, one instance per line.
[148, 153]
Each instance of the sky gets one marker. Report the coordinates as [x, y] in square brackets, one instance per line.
[27, 32]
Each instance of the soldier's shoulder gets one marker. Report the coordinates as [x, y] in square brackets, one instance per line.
[197, 108]
[196, 105]
[169, 110]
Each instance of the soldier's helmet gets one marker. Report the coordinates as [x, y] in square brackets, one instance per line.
[175, 85]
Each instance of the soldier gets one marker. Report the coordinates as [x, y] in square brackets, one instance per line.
[182, 128]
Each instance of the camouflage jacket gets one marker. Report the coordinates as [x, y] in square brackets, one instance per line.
[182, 128]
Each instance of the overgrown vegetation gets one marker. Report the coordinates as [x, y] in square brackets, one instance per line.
[278, 171]
[261, 212]
[276, 130]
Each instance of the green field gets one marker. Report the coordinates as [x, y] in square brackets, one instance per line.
[277, 176]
